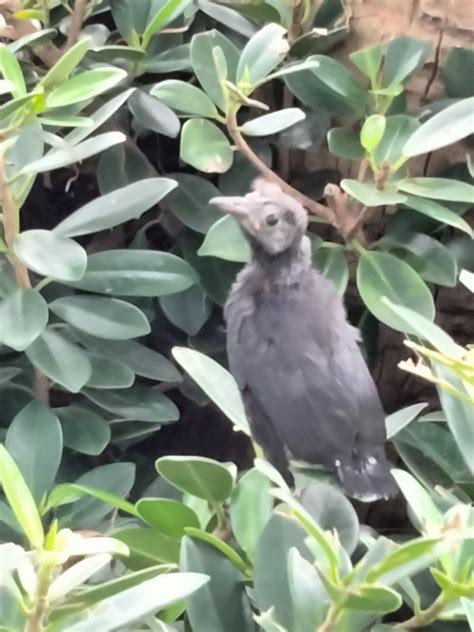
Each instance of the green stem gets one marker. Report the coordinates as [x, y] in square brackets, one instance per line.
[221, 517]
[425, 617]
[40, 606]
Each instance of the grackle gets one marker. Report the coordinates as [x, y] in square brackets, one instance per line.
[306, 388]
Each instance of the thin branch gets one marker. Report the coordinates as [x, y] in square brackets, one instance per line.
[425, 617]
[312, 206]
[77, 18]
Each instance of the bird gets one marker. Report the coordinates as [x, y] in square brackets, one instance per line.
[307, 391]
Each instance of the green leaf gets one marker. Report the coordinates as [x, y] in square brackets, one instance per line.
[216, 382]
[187, 310]
[117, 207]
[431, 259]
[136, 273]
[199, 476]
[205, 147]
[106, 481]
[382, 275]
[250, 509]
[189, 201]
[108, 373]
[438, 189]
[372, 598]
[370, 195]
[13, 105]
[20, 499]
[184, 97]
[419, 500]
[399, 128]
[67, 493]
[84, 86]
[122, 165]
[438, 212]
[228, 17]
[130, 17]
[32, 39]
[205, 66]
[397, 421]
[134, 603]
[170, 517]
[61, 70]
[96, 593]
[308, 594]
[61, 360]
[167, 13]
[459, 65]
[225, 241]
[54, 120]
[83, 430]
[107, 318]
[404, 56]
[458, 414]
[138, 402]
[24, 315]
[333, 265]
[444, 128]
[345, 143]
[34, 439]
[50, 254]
[262, 53]
[142, 360]
[332, 511]
[368, 60]
[272, 123]
[330, 86]
[58, 158]
[174, 59]
[372, 132]
[222, 605]
[11, 71]
[468, 605]
[148, 547]
[99, 117]
[153, 115]
[271, 577]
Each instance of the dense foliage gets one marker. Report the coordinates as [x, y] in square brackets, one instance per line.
[119, 120]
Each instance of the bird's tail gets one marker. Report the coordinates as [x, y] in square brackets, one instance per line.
[367, 479]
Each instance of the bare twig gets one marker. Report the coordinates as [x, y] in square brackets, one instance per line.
[77, 18]
[314, 207]
[425, 617]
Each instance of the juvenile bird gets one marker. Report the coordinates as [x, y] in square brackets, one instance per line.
[306, 388]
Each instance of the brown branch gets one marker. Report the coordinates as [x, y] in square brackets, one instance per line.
[314, 207]
[77, 18]
[11, 228]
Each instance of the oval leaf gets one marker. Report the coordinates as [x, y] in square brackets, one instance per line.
[34, 439]
[136, 273]
[272, 123]
[205, 147]
[107, 318]
[138, 402]
[83, 430]
[51, 255]
[226, 241]
[61, 360]
[116, 207]
[184, 97]
[262, 53]
[216, 382]
[198, 476]
[84, 86]
[167, 516]
[382, 275]
[24, 315]
[444, 128]
[153, 115]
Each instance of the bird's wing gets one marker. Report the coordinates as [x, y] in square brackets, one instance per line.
[307, 375]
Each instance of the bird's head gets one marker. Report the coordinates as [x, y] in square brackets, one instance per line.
[269, 216]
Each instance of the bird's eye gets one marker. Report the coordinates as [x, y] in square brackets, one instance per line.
[272, 219]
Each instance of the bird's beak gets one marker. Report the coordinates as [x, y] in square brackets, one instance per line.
[239, 208]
